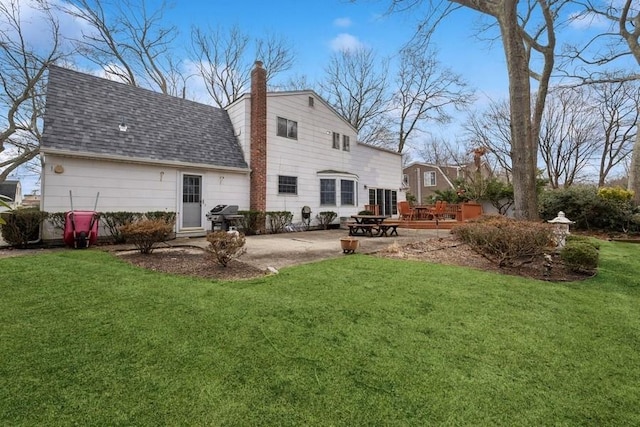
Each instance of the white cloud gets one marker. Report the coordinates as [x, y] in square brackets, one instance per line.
[342, 22]
[587, 22]
[345, 42]
[35, 25]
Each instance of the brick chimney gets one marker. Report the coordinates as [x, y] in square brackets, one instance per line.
[258, 190]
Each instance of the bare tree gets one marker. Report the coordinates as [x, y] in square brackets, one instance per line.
[355, 84]
[492, 129]
[131, 43]
[617, 106]
[225, 59]
[22, 78]
[528, 37]
[438, 151]
[620, 41]
[568, 139]
[425, 90]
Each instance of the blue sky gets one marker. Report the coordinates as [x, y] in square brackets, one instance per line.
[317, 28]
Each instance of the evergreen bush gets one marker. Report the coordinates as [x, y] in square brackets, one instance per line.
[580, 256]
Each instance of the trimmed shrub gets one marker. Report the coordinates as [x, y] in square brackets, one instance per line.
[252, 222]
[168, 217]
[505, 241]
[576, 238]
[225, 246]
[57, 220]
[325, 218]
[278, 220]
[145, 233]
[113, 221]
[580, 256]
[22, 226]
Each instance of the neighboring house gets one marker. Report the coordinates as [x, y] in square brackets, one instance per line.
[11, 192]
[144, 151]
[31, 201]
[422, 180]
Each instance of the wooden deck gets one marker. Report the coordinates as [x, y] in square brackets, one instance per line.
[453, 215]
[445, 224]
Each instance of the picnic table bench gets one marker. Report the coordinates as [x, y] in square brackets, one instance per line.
[372, 225]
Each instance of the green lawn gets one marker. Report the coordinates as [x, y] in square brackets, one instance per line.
[88, 340]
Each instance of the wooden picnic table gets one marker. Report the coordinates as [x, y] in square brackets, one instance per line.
[367, 225]
[423, 211]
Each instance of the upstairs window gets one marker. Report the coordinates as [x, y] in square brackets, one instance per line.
[430, 179]
[346, 144]
[336, 140]
[287, 128]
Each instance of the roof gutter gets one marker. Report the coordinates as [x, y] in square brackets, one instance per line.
[132, 160]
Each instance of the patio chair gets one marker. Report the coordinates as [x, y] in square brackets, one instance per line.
[438, 210]
[405, 211]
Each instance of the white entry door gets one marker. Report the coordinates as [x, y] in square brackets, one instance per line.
[191, 201]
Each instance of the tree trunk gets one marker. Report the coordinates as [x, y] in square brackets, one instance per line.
[523, 147]
[634, 169]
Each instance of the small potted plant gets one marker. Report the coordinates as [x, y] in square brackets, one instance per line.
[348, 244]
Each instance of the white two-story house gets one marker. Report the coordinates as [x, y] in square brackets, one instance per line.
[144, 151]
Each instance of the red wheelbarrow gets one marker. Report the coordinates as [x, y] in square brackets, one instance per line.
[81, 227]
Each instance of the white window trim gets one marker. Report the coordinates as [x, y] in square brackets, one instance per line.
[428, 181]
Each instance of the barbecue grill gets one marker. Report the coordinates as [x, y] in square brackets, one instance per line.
[223, 216]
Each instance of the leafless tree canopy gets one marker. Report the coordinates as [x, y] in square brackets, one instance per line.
[618, 113]
[23, 68]
[225, 59]
[590, 62]
[527, 33]
[568, 138]
[356, 85]
[425, 91]
[492, 129]
[131, 43]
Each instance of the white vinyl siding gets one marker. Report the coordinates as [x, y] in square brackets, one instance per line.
[313, 158]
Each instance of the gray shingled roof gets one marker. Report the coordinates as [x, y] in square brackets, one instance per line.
[83, 113]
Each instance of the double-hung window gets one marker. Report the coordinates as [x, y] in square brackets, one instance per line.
[287, 128]
[346, 144]
[287, 184]
[336, 140]
[430, 179]
[347, 192]
[328, 192]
